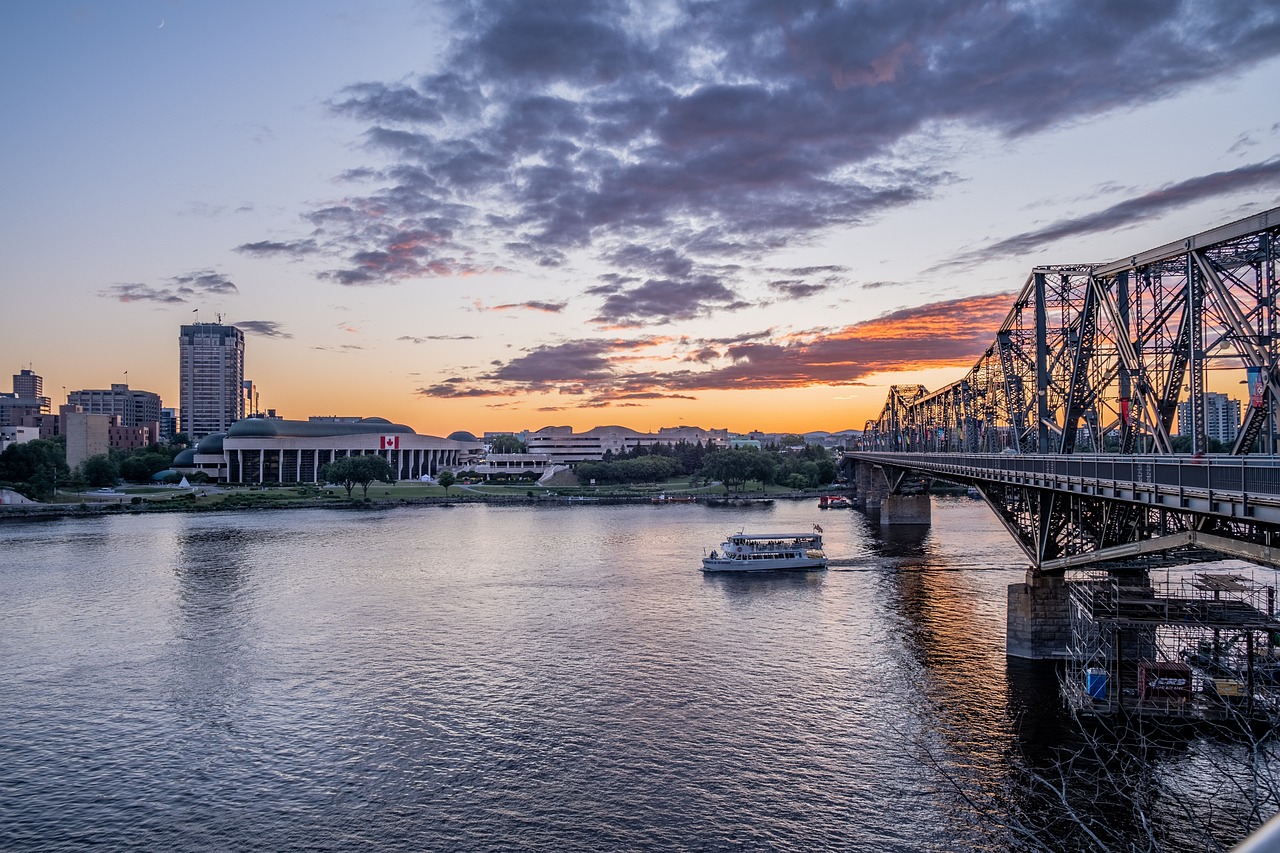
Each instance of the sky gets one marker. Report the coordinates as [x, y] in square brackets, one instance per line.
[493, 216]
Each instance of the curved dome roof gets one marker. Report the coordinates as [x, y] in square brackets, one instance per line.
[276, 428]
[185, 458]
[462, 435]
[210, 444]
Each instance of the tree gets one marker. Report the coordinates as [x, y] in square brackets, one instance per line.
[35, 466]
[352, 471]
[139, 467]
[508, 444]
[100, 470]
[446, 479]
[732, 467]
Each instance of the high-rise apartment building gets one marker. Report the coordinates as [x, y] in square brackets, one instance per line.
[211, 379]
[135, 408]
[1221, 417]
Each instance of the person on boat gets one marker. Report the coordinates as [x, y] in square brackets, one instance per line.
[713, 555]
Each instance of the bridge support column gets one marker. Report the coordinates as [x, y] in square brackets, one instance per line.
[862, 484]
[1039, 618]
[905, 509]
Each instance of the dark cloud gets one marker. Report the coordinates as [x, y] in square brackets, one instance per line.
[177, 290]
[1130, 211]
[663, 141]
[203, 282]
[794, 289]
[273, 248]
[665, 300]
[265, 328]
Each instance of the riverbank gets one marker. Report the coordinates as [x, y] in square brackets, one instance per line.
[257, 499]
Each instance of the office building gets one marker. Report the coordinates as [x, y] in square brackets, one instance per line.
[27, 399]
[134, 408]
[211, 379]
[168, 425]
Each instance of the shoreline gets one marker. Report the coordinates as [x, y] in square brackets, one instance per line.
[246, 503]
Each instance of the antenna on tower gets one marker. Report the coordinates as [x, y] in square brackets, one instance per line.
[219, 316]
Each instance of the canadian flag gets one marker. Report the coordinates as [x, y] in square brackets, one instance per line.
[390, 442]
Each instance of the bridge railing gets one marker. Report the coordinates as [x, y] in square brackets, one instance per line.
[1253, 475]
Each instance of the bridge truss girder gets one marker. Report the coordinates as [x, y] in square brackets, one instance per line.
[1057, 529]
[1098, 358]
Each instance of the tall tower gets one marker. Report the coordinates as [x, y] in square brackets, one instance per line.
[27, 384]
[211, 378]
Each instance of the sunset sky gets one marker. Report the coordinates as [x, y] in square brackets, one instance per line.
[506, 215]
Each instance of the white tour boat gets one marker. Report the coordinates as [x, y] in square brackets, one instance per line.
[768, 552]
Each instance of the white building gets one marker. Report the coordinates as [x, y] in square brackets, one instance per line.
[273, 450]
[561, 444]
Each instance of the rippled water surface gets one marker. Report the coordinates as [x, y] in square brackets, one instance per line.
[485, 677]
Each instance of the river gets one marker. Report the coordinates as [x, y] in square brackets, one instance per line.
[493, 678]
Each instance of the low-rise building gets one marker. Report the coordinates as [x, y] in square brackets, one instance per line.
[133, 407]
[273, 450]
[87, 434]
[561, 444]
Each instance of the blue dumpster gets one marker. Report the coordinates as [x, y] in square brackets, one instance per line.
[1095, 681]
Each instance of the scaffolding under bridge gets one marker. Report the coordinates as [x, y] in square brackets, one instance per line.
[1198, 646]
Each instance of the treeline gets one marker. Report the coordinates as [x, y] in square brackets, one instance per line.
[37, 469]
[810, 467]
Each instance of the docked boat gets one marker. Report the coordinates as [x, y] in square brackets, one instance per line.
[768, 552]
[834, 502]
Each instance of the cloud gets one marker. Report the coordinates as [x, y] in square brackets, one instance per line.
[667, 300]
[953, 333]
[544, 307]
[275, 248]
[203, 282]
[422, 340]
[550, 133]
[797, 289]
[177, 290]
[1129, 212]
[134, 292]
[265, 328]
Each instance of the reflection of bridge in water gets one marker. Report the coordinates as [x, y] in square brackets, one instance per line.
[1065, 426]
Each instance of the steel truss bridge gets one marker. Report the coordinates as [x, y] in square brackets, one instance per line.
[1065, 424]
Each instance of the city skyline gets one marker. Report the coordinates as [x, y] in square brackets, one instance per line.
[518, 215]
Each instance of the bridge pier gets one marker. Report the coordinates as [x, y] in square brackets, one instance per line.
[872, 496]
[905, 509]
[1038, 623]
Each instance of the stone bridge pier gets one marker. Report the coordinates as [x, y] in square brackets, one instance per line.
[874, 495]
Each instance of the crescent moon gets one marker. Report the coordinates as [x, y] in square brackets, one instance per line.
[161, 27]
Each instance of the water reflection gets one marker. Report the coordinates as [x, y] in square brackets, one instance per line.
[212, 664]
[762, 584]
[498, 678]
